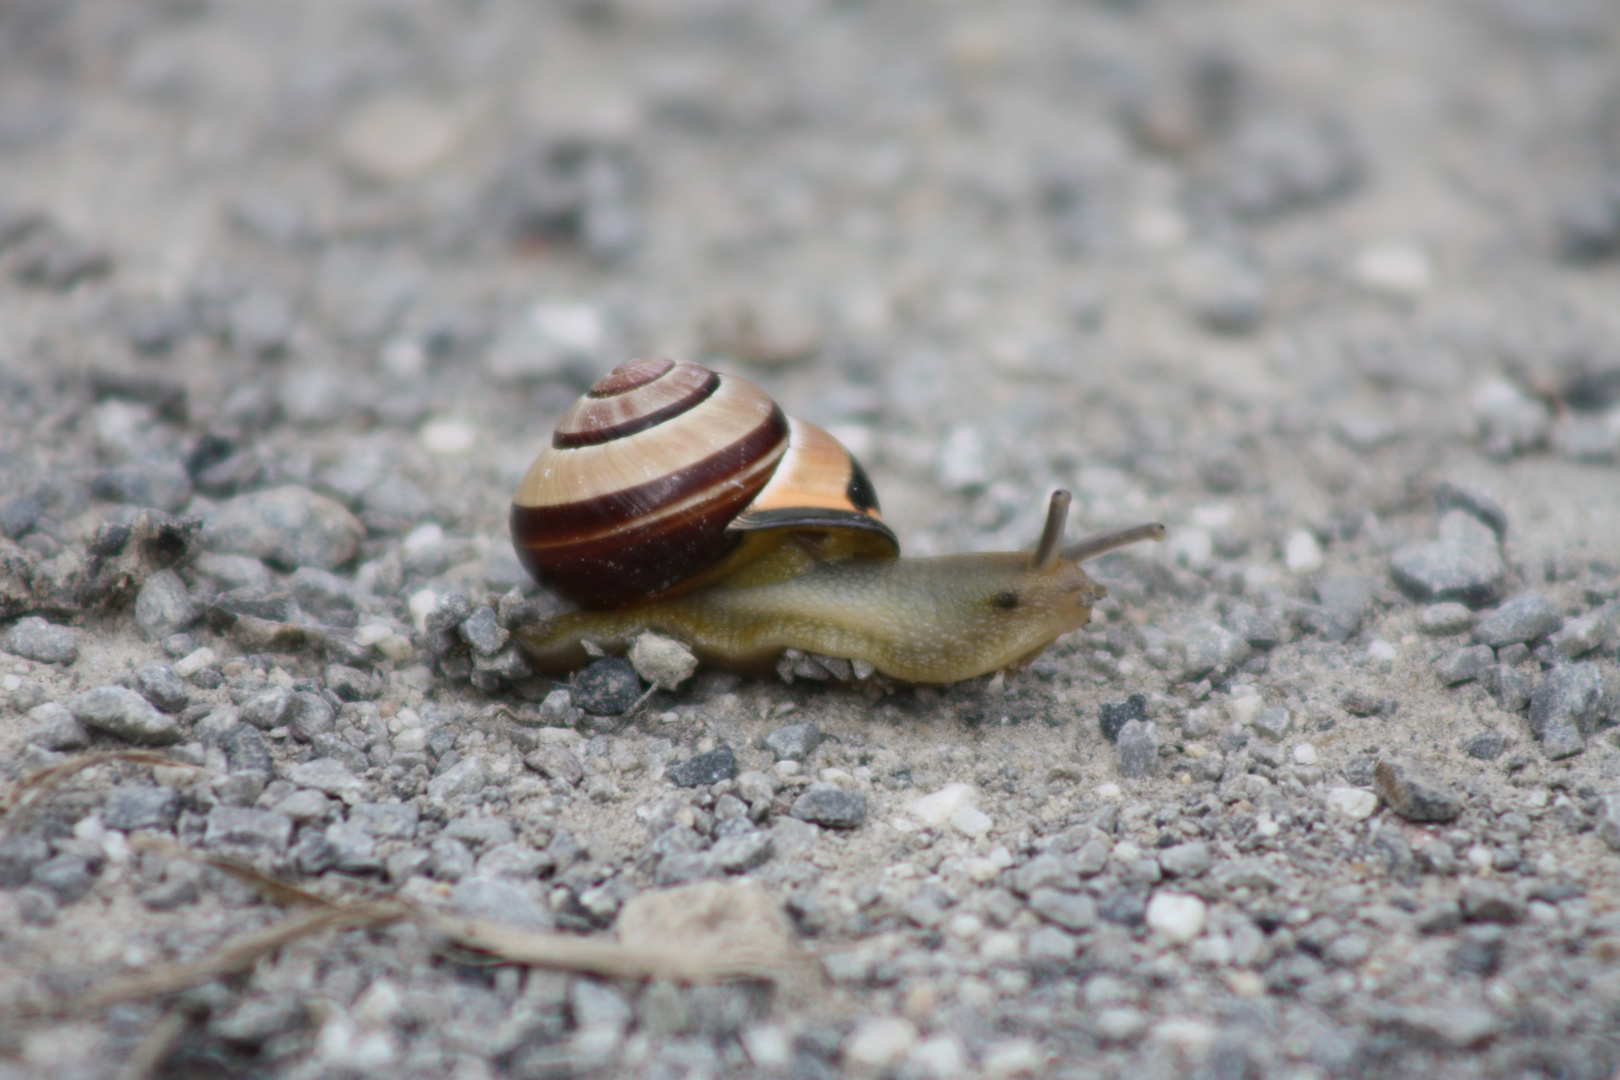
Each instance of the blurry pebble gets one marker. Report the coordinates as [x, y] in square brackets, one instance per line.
[397, 139]
[162, 686]
[549, 340]
[1357, 804]
[1274, 723]
[1564, 706]
[260, 323]
[140, 806]
[1593, 630]
[661, 661]
[1396, 269]
[288, 527]
[1303, 553]
[1011, 1058]
[963, 464]
[20, 514]
[833, 807]
[35, 639]
[1461, 665]
[164, 606]
[1510, 421]
[1588, 226]
[1113, 715]
[1178, 917]
[1448, 618]
[704, 769]
[971, 822]
[124, 714]
[1305, 754]
[1137, 750]
[1464, 564]
[56, 729]
[1413, 794]
[500, 902]
[1608, 824]
[880, 1042]
[1486, 746]
[1214, 648]
[607, 687]
[162, 483]
[1278, 163]
[447, 438]
[1528, 617]
[1221, 292]
[935, 809]
[1588, 438]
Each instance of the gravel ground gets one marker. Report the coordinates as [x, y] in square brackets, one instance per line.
[290, 294]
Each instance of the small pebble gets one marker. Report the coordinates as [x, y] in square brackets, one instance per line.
[287, 527]
[1274, 723]
[1357, 804]
[1448, 618]
[704, 769]
[1528, 617]
[1464, 565]
[833, 807]
[607, 687]
[1461, 665]
[1114, 715]
[1413, 794]
[796, 742]
[1486, 746]
[1178, 917]
[35, 639]
[1564, 707]
[1303, 553]
[880, 1042]
[661, 661]
[1137, 750]
[164, 606]
[1398, 269]
[125, 714]
[934, 810]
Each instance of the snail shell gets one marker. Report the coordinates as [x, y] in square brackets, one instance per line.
[666, 476]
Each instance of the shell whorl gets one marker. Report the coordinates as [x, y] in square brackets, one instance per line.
[657, 472]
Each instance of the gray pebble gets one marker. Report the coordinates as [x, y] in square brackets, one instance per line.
[1124, 907]
[465, 777]
[1464, 564]
[259, 323]
[309, 715]
[322, 593]
[1527, 617]
[1509, 685]
[1214, 648]
[449, 860]
[258, 602]
[1045, 871]
[268, 708]
[483, 631]
[704, 769]
[1608, 820]
[1073, 911]
[327, 775]
[19, 854]
[607, 687]
[124, 714]
[481, 832]
[1471, 500]
[743, 852]
[1114, 715]
[1415, 795]
[1137, 750]
[178, 646]
[140, 806]
[796, 742]
[1460, 665]
[832, 807]
[352, 684]
[1186, 860]
[164, 606]
[1486, 746]
[1447, 618]
[256, 830]
[1588, 226]
[229, 572]
[1565, 705]
[499, 901]
[159, 684]
[1050, 947]
[1594, 630]
[245, 749]
[1253, 627]
[509, 664]
[1360, 771]
[35, 639]
[1486, 900]
[1274, 723]
[20, 514]
[66, 877]
[351, 849]
[287, 527]
[556, 763]
[393, 504]
[516, 861]
[163, 484]
[56, 729]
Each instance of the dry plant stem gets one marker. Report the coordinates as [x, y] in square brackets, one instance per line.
[155, 1048]
[32, 789]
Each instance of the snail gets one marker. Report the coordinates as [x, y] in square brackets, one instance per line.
[678, 500]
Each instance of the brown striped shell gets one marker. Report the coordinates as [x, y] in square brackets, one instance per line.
[667, 475]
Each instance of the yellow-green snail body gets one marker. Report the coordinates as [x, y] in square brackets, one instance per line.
[677, 500]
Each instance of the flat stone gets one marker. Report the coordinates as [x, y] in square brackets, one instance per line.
[1486, 746]
[1114, 715]
[832, 807]
[1464, 564]
[1075, 911]
[1485, 900]
[1045, 871]
[556, 763]
[1567, 703]
[309, 715]
[322, 592]
[1594, 630]
[352, 684]
[125, 714]
[934, 810]
[1446, 618]
[159, 684]
[329, 776]
[796, 742]
[1528, 617]
[607, 687]
[35, 639]
[246, 750]
[1256, 629]
[1137, 750]
[1177, 917]
[704, 769]
[55, 728]
[742, 853]
[1357, 804]
[481, 832]
[465, 777]
[1186, 860]
[66, 877]
[141, 806]
[19, 855]
[162, 484]
[1461, 665]
[259, 830]
[287, 527]
[1413, 794]
[1274, 723]
[499, 901]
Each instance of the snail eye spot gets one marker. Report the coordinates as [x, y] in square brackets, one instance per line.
[1006, 601]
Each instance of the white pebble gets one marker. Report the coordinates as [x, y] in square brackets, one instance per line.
[1382, 650]
[422, 538]
[10, 683]
[422, 603]
[1108, 790]
[962, 464]
[880, 1042]
[940, 1058]
[662, 661]
[373, 632]
[396, 647]
[965, 926]
[1192, 548]
[1001, 947]
[1015, 1057]
[1303, 554]
[1305, 754]
[397, 138]
[1245, 710]
[1395, 269]
[1177, 916]
[193, 662]
[935, 809]
[447, 438]
[1266, 827]
[1357, 804]
[1481, 857]
[972, 822]
[768, 1046]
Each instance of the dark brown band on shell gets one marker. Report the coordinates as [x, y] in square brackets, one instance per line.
[627, 401]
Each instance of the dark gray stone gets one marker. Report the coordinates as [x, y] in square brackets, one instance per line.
[1527, 617]
[159, 684]
[19, 855]
[22, 513]
[246, 750]
[1073, 911]
[481, 832]
[1114, 715]
[607, 687]
[287, 527]
[35, 639]
[1486, 746]
[501, 902]
[1137, 750]
[164, 606]
[1415, 795]
[1274, 723]
[704, 769]
[1461, 665]
[259, 602]
[66, 877]
[832, 807]
[1360, 771]
[483, 631]
[124, 714]
[1464, 564]
[140, 806]
[1253, 627]
[509, 664]
[1509, 685]
[1124, 907]
[268, 708]
[255, 830]
[309, 715]
[796, 742]
[1594, 630]
[1587, 226]
[177, 646]
[1567, 704]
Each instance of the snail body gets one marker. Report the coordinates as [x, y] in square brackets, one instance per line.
[755, 533]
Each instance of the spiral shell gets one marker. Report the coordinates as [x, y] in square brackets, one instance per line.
[655, 478]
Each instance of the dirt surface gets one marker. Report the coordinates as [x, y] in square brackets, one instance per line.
[291, 294]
